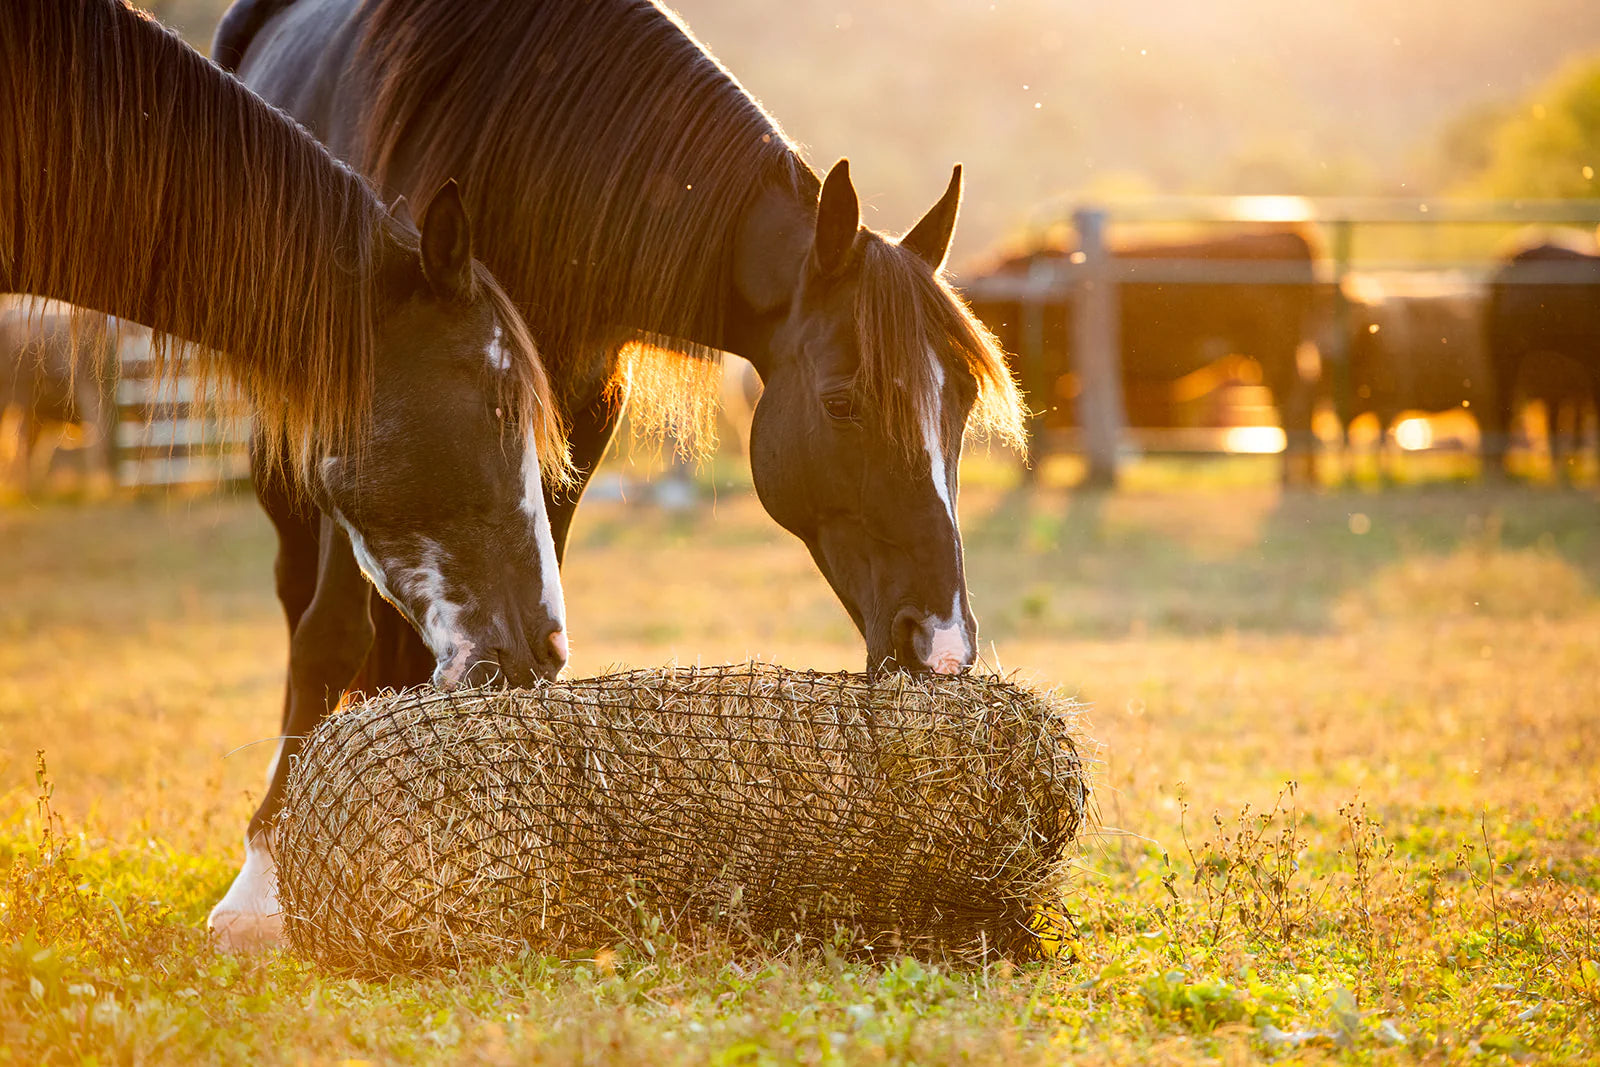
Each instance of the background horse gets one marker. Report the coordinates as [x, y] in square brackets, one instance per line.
[397, 387]
[1169, 332]
[648, 215]
[1543, 302]
[40, 352]
[1413, 345]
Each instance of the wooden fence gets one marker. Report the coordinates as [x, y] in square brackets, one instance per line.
[1091, 276]
[161, 435]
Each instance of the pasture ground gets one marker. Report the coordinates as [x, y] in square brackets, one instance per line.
[1349, 789]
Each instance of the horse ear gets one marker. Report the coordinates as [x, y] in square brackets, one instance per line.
[838, 220]
[930, 238]
[447, 245]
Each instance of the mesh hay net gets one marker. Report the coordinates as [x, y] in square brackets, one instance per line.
[906, 814]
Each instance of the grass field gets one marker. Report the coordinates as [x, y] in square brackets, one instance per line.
[1349, 788]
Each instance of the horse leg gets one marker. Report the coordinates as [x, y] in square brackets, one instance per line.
[95, 400]
[327, 648]
[294, 571]
[1292, 395]
[1497, 417]
[31, 431]
[399, 658]
[591, 429]
[17, 465]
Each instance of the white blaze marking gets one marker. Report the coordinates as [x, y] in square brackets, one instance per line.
[441, 621]
[933, 439]
[440, 624]
[948, 650]
[533, 507]
[248, 916]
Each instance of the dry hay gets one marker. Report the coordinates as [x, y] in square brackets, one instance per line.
[904, 814]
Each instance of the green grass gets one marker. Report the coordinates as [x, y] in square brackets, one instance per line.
[1425, 890]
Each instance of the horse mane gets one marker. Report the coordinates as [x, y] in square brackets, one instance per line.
[138, 179]
[602, 239]
[905, 317]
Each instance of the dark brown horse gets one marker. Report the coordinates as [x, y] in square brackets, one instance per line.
[647, 215]
[1170, 331]
[1414, 346]
[1544, 301]
[396, 387]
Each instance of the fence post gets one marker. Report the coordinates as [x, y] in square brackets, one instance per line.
[1097, 350]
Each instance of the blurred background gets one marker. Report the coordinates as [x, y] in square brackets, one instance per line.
[1041, 97]
[1413, 148]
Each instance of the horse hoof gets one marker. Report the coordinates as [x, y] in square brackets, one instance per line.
[247, 918]
[245, 932]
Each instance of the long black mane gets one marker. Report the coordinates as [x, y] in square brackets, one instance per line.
[607, 158]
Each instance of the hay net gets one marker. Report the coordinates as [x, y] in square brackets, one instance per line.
[901, 813]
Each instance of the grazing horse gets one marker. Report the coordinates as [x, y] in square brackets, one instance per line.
[1171, 331]
[1543, 301]
[648, 215]
[397, 388]
[1413, 345]
[40, 352]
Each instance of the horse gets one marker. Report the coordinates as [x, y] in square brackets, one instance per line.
[39, 381]
[1171, 331]
[1544, 302]
[398, 391]
[648, 215]
[1414, 345]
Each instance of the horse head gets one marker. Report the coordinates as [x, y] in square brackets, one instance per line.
[872, 369]
[441, 495]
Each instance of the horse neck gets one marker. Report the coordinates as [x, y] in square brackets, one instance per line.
[138, 180]
[770, 248]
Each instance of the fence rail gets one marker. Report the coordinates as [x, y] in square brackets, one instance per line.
[163, 433]
[1089, 278]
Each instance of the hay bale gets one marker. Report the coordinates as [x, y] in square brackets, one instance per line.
[921, 814]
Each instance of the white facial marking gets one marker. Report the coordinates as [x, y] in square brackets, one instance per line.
[933, 439]
[498, 354]
[441, 621]
[440, 625]
[248, 916]
[533, 507]
[948, 649]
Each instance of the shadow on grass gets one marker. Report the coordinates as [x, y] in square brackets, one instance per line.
[1049, 562]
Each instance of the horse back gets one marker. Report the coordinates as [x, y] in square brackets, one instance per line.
[238, 28]
[295, 54]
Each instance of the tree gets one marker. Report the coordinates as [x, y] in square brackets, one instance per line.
[1549, 146]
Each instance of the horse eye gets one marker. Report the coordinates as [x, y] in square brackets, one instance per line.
[839, 407]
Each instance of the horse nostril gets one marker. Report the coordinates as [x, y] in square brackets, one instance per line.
[903, 637]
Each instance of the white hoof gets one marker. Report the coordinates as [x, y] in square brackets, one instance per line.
[247, 918]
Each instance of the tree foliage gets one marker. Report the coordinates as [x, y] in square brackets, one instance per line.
[1547, 147]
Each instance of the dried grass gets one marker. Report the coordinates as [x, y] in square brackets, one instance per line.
[903, 814]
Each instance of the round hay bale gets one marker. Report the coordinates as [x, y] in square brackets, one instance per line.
[918, 814]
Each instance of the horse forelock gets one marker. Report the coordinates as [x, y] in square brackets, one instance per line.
[194, 192]
[606, 159]
[903, 311]
[525, 390]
